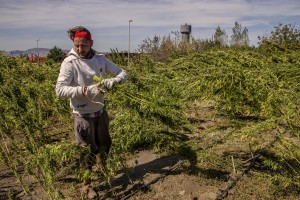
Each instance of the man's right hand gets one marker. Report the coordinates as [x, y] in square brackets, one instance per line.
[92, 90]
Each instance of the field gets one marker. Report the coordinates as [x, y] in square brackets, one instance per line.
[219, 124]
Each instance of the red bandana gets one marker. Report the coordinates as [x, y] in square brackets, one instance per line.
[83, 34]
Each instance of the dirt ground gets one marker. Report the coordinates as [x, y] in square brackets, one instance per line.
[153, 176]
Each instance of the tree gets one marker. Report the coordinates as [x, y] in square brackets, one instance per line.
[56, 54]
[220, 37]
[286, 36]
[239, 37]
[150, 45]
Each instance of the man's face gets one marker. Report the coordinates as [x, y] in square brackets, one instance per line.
[83, 47]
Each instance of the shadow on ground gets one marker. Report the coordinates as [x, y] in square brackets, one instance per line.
[147, 170]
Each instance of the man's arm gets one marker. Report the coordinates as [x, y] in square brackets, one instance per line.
[63, 86]
[120, 74]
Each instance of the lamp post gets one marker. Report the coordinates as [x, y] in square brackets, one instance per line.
[37, 48]
[129, 39]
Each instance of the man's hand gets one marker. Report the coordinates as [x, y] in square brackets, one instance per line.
[92, 90]
[110, 82]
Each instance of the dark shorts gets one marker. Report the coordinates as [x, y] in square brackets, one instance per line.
[93, 131]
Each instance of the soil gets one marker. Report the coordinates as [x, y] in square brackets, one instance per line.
[153, 176]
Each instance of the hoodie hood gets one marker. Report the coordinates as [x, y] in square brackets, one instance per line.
[73, 53]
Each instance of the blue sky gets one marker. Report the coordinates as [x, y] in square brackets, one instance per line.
[23, 22]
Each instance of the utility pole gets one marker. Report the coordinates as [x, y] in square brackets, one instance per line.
[129, 40]
[37, 48]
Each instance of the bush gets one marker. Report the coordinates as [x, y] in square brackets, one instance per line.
[55, 54]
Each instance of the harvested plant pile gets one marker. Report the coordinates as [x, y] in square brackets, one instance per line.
[150, 111]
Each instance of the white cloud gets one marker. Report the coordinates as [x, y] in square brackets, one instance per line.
[49, 19]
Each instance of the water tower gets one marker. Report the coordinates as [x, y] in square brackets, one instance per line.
[186, 32]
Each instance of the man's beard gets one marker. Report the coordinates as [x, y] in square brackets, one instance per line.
[86, 55]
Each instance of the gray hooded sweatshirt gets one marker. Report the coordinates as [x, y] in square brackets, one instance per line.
[75, 73]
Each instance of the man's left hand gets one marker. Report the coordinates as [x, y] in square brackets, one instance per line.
[110, 82]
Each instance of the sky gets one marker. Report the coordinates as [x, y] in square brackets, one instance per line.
[26, 24]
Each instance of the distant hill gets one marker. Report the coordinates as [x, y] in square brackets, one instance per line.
[34, 51]
[43, 52]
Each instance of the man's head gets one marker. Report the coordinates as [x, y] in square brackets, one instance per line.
[82, 40]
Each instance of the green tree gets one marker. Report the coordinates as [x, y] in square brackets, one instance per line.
[55, 54]
[239, 36]
[284, 36]
[150, 45]
[220, 37]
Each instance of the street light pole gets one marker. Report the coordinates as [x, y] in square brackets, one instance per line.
[37, 48]
[129, 40]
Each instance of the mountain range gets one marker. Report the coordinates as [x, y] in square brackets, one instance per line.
[34, 51]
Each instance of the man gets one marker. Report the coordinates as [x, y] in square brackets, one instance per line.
[75, 81]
